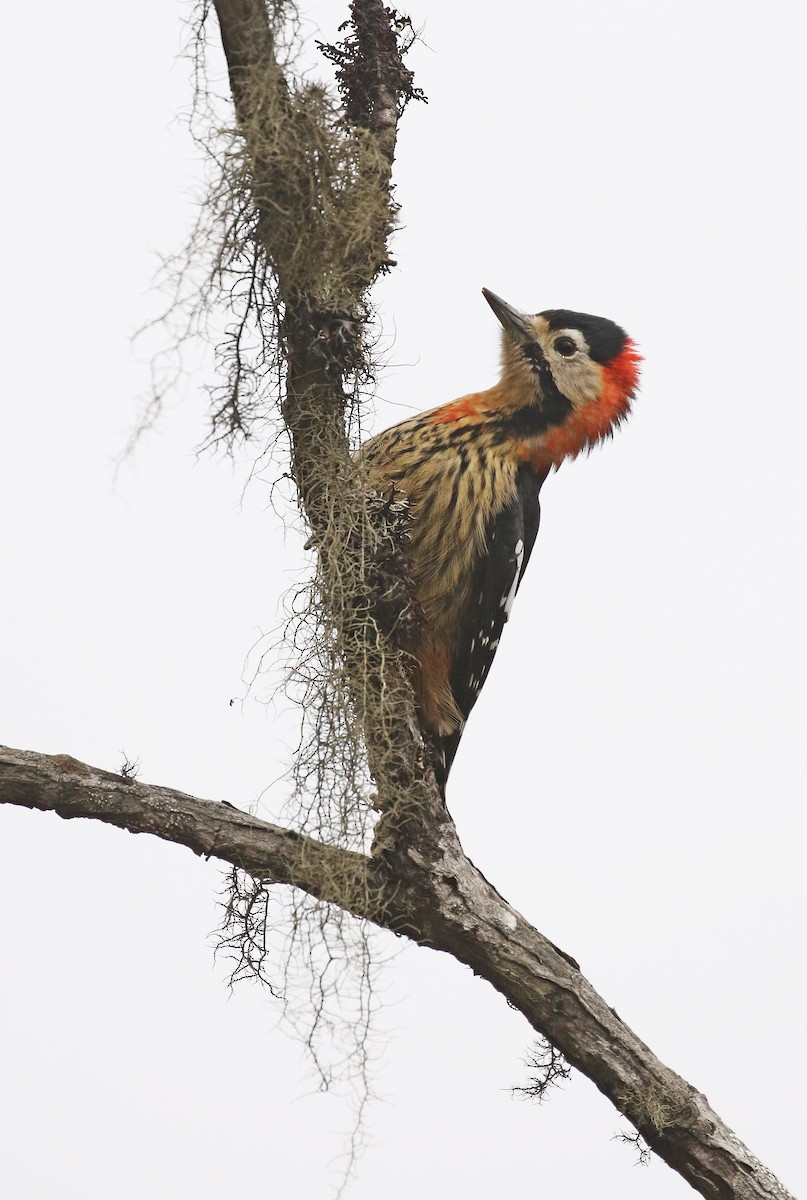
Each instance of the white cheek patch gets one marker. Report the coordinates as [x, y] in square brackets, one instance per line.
[507, 601]
[578, 378]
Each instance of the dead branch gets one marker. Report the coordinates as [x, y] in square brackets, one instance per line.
[434, 895]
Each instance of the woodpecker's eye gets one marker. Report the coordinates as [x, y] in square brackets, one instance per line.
[566, 346]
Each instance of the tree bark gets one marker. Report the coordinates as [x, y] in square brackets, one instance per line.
[321, 344]
[431, 892]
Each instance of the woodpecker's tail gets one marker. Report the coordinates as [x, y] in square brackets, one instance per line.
[444, 750]
[439, 764]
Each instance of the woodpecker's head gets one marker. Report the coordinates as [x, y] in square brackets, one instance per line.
[569, 378]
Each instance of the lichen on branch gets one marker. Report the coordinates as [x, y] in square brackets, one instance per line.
[296, 229]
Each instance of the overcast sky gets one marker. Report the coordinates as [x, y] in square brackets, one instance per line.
[634, 774]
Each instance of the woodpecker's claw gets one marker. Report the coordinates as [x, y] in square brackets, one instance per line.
[514, 322]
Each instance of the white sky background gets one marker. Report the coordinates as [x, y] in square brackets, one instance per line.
[633, 776]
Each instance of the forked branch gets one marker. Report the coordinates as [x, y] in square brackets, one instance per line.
[434, 895]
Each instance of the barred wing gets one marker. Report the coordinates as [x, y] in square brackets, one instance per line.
[511, 537]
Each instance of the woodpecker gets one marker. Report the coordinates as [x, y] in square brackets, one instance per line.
[471, 472]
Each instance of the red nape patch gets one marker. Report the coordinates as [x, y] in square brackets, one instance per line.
[594, 421]
[622, 372]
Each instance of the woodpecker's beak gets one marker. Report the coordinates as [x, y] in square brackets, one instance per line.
[517, 324]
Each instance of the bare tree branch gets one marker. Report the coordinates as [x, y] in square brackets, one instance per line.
[210, 829]
[434, 895]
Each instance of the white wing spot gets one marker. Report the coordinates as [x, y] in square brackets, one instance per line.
[507, 602]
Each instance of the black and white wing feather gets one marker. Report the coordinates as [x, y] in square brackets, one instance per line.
[511, 537]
